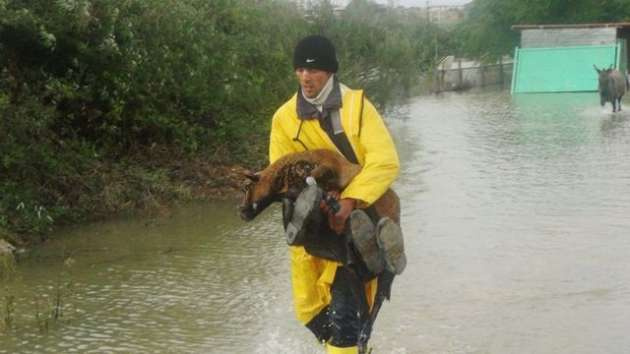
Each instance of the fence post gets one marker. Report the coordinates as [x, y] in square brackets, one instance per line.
[501, 79]
[460, 76]
[437, 80]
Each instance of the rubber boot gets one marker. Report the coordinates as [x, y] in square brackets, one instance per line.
[363, 236]
[390, 241]
[305, 212]
[330, 349]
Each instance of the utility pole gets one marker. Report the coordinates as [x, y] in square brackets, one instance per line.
[435, 40]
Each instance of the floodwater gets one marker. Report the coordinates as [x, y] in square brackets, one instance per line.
[515, 213]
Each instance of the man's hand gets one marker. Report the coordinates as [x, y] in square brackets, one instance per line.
[337, 221]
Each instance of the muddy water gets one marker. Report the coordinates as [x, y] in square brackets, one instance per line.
[515, 212]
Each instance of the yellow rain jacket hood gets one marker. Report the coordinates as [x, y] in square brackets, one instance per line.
[375, 150]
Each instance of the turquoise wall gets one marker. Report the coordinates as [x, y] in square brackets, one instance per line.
[561, 69]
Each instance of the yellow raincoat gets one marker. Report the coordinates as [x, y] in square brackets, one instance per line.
[375, 150]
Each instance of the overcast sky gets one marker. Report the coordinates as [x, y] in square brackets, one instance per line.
[422, 3]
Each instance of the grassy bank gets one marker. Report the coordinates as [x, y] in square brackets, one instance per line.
[149, 182]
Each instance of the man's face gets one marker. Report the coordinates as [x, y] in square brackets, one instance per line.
[312, 80]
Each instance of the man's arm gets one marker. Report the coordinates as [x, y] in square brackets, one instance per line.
[381, 165]
[379, 171]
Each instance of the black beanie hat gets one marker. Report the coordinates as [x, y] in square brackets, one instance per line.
[316, 52]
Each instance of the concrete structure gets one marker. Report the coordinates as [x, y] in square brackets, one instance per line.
[560, 58]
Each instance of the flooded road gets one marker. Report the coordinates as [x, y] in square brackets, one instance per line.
[515, 213]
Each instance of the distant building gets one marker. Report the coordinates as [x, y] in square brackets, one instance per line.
[445, 15]
[440, 15]
[560, 58]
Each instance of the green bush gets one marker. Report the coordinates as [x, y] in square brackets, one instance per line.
[97, 95]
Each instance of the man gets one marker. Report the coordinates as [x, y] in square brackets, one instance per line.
[332, 295]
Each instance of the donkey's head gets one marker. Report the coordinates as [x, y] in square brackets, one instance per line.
[603, 83]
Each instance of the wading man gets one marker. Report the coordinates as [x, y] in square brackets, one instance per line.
[335, 291]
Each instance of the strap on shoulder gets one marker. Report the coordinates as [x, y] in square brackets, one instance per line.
[361, 112]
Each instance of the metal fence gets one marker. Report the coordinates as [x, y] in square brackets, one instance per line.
[463, 77]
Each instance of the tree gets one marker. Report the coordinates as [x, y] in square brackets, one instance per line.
[486, 32]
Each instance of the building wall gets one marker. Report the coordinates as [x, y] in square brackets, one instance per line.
[567, 37]
[561, 69]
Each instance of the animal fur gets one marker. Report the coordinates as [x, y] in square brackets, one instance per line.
[287, 177]
[612, 86]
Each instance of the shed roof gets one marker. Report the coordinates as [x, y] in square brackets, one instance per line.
[581, 25]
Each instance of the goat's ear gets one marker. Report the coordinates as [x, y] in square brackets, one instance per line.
[252, 176]
[596, 69]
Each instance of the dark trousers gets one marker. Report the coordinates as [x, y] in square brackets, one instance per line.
[340, 323]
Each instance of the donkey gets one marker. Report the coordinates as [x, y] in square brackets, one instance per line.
[612, 87]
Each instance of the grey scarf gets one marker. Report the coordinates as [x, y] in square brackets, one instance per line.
[328, 100]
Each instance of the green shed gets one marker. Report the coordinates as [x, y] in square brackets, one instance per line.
[560, 58]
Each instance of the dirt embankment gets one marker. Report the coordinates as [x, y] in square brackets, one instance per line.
[151, 186]
[210, 180]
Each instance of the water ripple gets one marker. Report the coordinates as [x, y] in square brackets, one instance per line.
[515, 216]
